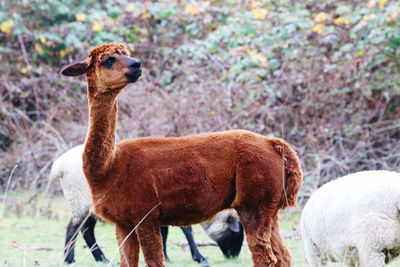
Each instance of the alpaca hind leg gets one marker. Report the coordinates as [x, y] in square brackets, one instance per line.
[128, 246]
[282, 253]
[88, 234]
[70, 239]
[193, 247]
[151, 243]
[258, 229]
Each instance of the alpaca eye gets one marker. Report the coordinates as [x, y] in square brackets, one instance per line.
[108, 62]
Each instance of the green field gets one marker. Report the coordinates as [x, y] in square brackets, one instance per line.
[33, 231]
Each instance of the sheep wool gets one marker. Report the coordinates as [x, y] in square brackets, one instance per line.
[354, 220]
[218, 227]
[75, 187]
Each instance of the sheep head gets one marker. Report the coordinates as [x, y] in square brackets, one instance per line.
[107, 67]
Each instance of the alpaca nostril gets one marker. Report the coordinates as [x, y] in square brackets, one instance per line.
[134, 64]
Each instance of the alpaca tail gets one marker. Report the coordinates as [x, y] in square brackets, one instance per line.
[293, 172]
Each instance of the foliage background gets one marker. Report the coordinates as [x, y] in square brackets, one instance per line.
[324, 75]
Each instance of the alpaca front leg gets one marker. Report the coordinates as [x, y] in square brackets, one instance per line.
[129, 247]
[151, 243]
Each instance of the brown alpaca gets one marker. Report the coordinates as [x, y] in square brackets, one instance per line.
[189, 178]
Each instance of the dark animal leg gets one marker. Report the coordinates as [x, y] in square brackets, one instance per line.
[193, 247]
[70, 239]
[88, 234]
[164, 234]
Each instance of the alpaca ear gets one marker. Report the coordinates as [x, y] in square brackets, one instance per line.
[77, 68]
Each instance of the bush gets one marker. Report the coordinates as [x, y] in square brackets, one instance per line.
[323, 76]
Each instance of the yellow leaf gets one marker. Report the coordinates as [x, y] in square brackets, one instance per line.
[65, 51]
[7, 26]
[393, 16]
[39, 49]
[62, 53]
[382, 4]
[371, 4]
[42, 39]
[257, 78]
[341, 20]
[322, 16]
[131, 47]
[257, 57]
[260, 13]
[318, 28]
[80, 17]
[255, 4]
[26, 94]
[145, 16]
[98, 26]
[192, 9]
[130, 7]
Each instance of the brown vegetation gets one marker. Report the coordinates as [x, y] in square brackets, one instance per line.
[331, 92]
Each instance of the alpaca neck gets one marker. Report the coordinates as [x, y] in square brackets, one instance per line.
[99, 149]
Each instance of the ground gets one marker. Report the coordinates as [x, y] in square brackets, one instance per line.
[33, 232]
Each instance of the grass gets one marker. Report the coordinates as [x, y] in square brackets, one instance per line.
[33, 233]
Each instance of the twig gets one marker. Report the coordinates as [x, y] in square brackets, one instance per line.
[42, 170]
[21, 43]
[34, 248]
[198, 243]
[8, 185]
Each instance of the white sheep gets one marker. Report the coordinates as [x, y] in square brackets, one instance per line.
[68, 168]
[224, 228]
[354, 220]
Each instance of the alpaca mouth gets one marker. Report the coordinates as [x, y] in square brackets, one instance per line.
[133, 75]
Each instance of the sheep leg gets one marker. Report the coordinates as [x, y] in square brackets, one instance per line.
[164, 234]
[151, 243]
[313, 254]
[258, 228]
[193, 247]
[371, 258]
[70, 239]
[88, 234]
[128, 246]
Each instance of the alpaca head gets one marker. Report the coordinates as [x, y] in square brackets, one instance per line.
[108, 67]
